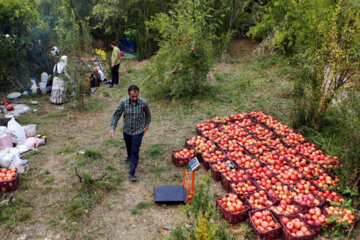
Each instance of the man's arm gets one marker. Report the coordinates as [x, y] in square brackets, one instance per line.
[115, 118]
[147, 116]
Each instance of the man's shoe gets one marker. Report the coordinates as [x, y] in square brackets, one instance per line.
[127, 160]
[132, 178]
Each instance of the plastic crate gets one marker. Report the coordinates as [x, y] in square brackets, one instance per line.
[269, 178]
[334, 224]
[190, 145]
[317, 178]
[270, 198]
[10, 186]
[307, 207]
[268, 148]
[224, 120]
[279, 215]
[293, 165]
[316, 228]
[326, 200]
[271, 234]
[239, 122]
[256, 178]
[179, 162]
[232, 217]
[226, 182]
[206, 163]
[274, 134]
[242, 195]
[288, 236]
[216, 175]
[239, 116]
[292, 185]
[290, 189]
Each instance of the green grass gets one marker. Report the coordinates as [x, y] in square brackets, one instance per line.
[114, 143]
[92, 154]
[17, 212]
[158, 170]
[154, 150]
[97, 107]
[60, 113]
[49, 180]
[66, 149]
[106, 94]
[140, 207]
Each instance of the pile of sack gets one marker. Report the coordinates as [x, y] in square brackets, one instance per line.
[15, 140]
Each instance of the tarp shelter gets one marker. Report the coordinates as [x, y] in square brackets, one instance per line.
[126, 46]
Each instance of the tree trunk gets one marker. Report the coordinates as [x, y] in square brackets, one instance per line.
[161, 5]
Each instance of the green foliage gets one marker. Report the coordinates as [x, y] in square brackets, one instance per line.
[183, 61]
[16, 20]
[92, 154]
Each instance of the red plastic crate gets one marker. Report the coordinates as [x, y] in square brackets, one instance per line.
[216, 175]
[307, 207]
[279, 215]
[10, 186]
[288, 236]
[272, 234]
[179, 162]
[316, 228]
[231, 217]
[270, 198]
[206, 163]
[226, 182]
[242, 195]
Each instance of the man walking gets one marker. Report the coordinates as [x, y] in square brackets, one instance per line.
[115, 64]
[137, 118]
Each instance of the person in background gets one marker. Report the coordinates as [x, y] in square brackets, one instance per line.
[100, 73]
[137, 118]
[115, 64]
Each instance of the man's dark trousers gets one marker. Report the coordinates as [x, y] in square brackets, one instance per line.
[133, 148]
[115, 74]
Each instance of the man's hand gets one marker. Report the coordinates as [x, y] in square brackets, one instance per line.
[112, 65]
[144, 130]
[111, 134]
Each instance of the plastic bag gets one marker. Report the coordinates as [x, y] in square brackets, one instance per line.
[42, 87]
[6, 141]
[33, 86]
[10, 158]
[3, 131]
[30, 130]
[32, 142]
[6, 158]
[17, 131]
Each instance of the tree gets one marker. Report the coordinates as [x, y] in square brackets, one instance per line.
[16, 19]
[181, 65]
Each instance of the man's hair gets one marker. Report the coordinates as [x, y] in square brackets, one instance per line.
[113, 43]
[133, 88]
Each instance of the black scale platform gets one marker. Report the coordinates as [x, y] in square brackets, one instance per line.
[170, 194]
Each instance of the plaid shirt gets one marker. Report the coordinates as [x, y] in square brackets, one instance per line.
[136, 117]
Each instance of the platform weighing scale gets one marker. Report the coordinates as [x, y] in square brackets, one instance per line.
[178, 194]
